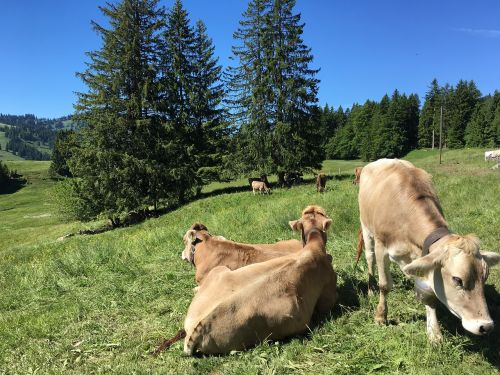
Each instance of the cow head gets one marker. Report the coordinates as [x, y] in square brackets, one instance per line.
[456, 270]
[188, 239]
[313, 218]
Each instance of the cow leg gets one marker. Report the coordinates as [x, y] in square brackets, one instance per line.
[384, 281]
[428, 298]
[370, 258]
[433, 330]
[253, 190]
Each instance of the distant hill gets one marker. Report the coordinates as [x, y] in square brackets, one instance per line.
[30, 137]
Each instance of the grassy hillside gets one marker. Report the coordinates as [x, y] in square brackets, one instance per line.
[101, 303]
[5, 155]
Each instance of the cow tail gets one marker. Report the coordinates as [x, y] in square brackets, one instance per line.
[359, 249]
[168, 343]
[190, 346]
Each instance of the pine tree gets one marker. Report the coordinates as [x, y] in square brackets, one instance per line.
[211, 131]
[478, 128]
[341, 145]
[363, 130]
[273, 91]
[459, 109]
[249, 90]
[115, 166]
[383, 140]
[66, 141]
[294, 91]
[412, 110]
[430, 116]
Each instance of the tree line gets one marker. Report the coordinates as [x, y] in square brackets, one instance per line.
[25, 150]
[27, 130]
[396, 125]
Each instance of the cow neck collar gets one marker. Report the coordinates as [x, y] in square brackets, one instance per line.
[433, 237]
[195, 242]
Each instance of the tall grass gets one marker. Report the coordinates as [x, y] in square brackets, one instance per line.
[95, 304]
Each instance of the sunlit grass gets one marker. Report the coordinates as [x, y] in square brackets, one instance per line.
[94, 304]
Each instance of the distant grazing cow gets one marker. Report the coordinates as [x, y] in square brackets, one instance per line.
[234, 310]
[492, 155]
[262, 178]
[320, 182]
[206, 252]
[261, 187]
[402, 221]
[357, 174]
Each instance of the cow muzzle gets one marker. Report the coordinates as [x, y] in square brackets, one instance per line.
[478, 327]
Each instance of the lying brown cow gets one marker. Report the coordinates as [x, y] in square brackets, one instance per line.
[260, 186]
[357, 175]
[402, 221]
[206, 251]
[320, 182]
[234, 310]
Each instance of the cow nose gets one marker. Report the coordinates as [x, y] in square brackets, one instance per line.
[486, 328]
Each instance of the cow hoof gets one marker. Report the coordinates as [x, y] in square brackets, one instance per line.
[380, 320]
[195, 290]
[435, 337]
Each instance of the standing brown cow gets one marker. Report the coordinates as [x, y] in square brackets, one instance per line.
[402, 221]
[261, 187]
[320, 182]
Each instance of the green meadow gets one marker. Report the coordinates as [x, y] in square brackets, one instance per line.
[101, 303]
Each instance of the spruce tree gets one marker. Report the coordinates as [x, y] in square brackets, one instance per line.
[294, 91]
[248, 83]
[273, 91]
[459, 109]
[115, 165]
[363, 130]
[430, 116]
[477, 132]
[176, 89]
[66, 141]
[210, 128]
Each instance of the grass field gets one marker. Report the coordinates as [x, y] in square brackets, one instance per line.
[100, 304]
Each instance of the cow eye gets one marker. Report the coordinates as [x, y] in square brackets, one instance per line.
[457, 281]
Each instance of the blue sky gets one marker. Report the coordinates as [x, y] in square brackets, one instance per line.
[364, 48]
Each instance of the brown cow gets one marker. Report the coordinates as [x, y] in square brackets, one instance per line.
[357, 175]
[402, 221]
[206, 251]
[260, 186]
[234, 310]
[320, 182]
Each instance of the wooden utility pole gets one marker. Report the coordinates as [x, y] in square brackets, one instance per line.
[441, 135]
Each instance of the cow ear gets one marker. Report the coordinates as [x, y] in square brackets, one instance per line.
[423, 265]
[490, 258]
[191, 235]
[296, 225]
[326, 224]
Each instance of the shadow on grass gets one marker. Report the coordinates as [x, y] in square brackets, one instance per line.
[137, 218]
[226, 190]
[12, 186]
